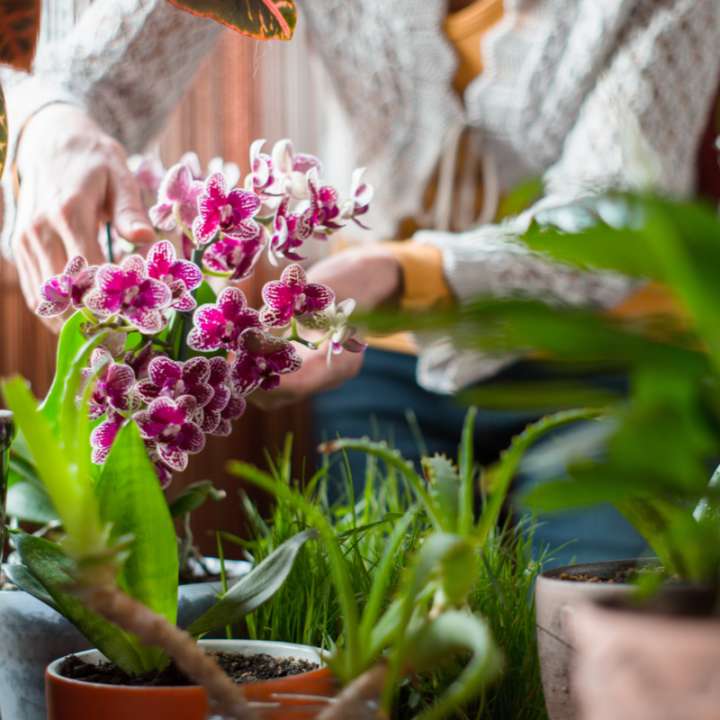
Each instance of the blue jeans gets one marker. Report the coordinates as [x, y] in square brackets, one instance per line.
[378, 403]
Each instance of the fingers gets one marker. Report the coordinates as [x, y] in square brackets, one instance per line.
[314, 376]
[126, 208]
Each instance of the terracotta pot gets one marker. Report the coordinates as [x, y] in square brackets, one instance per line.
[33, 635]
[634, 665]
[299, 697]
[555, 602]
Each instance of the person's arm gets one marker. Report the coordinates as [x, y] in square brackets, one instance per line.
[640, 126]
[103, 90]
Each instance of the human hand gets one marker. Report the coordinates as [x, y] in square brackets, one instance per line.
[370, 275]
[315, 376]
[74, 178]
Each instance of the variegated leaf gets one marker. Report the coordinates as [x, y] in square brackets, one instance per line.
[260, 19]
[19, 25]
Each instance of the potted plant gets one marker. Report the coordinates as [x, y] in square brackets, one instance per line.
[654, 444]
[158, 361]
[416, 614]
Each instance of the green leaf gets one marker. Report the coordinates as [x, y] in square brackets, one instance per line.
[70, 342]
[132, 503]
[466, 460]
[339, 567]
[253, 589]
[444, 487]
[56, 572]
[18, 574]
[452, 633]
[381, 581]
[260, 19]
[194, 496]
[70, 491]
[29, 503]
[392, 458]
[499, 477]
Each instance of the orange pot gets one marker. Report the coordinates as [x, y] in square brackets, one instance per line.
[299, 697]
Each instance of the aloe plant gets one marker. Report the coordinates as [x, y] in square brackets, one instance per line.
[417, 621]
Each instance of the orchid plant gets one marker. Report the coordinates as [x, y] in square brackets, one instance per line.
[176, 358]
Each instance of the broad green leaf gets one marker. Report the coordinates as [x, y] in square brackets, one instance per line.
[454, 633]
[55, 571]
[70, 342]
[194, 496]
[132, 503]
[253, 589]
[70, 491]
[29, 503]
[19, 28]
[260, 19]
[19, 575]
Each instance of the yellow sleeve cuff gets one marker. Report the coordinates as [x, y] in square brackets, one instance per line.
[424, 283]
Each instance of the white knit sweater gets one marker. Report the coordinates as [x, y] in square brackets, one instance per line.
[571, 89]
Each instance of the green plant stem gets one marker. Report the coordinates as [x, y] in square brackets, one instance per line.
[223, 575]
[109, 243]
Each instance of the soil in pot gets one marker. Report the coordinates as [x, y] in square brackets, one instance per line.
[241, 668]
[299, 696]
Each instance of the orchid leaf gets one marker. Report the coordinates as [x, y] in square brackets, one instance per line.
[70, 342]
[194, 496]
[20, 576]
[253, 589]
[132, 503]
[70, 490]
[259, 19]
[55, 571]
[19, 27]
[28, 502]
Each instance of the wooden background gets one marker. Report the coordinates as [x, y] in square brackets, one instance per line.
[212, 122]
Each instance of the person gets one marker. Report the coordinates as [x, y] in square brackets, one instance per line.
[450, 105]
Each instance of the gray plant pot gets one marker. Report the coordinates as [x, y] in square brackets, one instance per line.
[32, 635]
[556, 600]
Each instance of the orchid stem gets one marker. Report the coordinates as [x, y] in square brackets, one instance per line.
[109, 243]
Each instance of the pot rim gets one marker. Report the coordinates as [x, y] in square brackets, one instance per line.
[255, 647]
[552, 575]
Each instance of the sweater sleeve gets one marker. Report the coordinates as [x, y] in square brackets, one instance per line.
[639, 127]
[127, 62]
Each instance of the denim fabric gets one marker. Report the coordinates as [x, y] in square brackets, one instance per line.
[377, 403]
